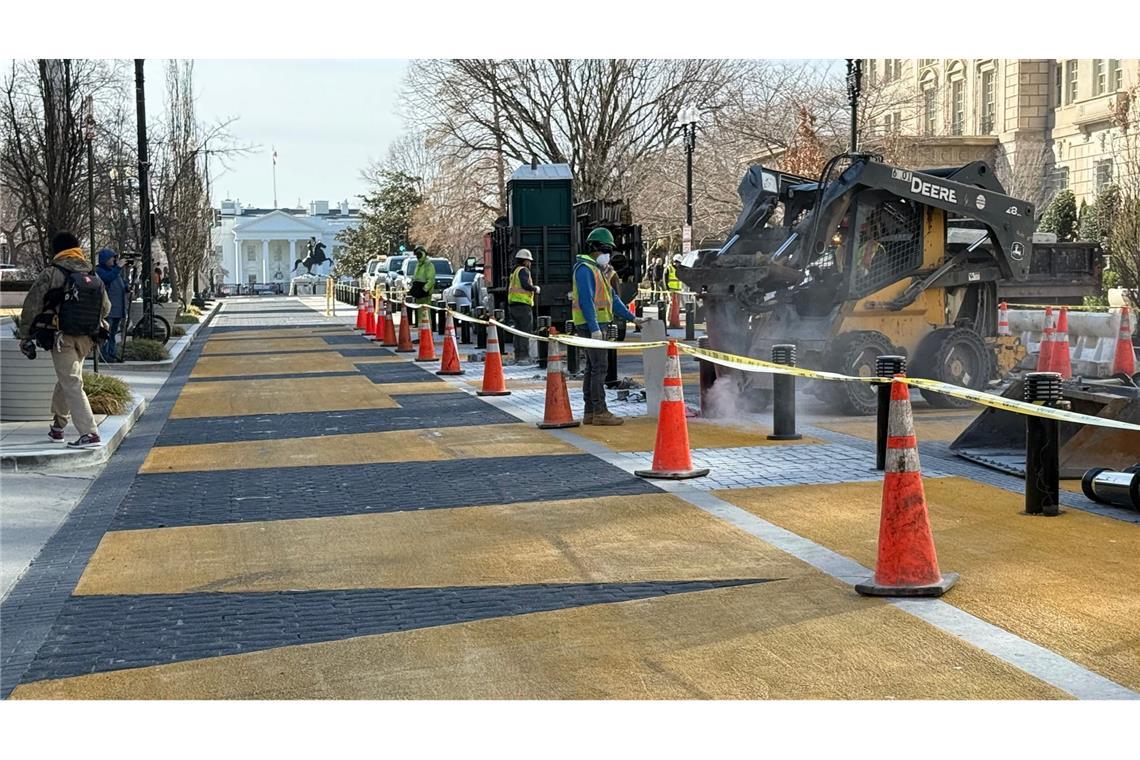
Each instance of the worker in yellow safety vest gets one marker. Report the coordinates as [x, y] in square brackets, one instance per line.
[671, 280]
[594, 303]
[520, 301]
[423, 278]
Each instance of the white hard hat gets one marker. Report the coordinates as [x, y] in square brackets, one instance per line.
[524, 254]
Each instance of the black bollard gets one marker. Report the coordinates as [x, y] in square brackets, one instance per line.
[885, 366]
[611, 357]
[1042, 451]
[663, 314]
[639, 312]
[465, 326]
[571, 351]
[481, 330]
[707, 378]
[784, 396]
[691, 322]
[543, 346]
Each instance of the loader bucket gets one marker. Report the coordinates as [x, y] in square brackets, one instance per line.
[997, 438]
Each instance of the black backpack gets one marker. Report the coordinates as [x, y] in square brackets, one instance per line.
[80, 303]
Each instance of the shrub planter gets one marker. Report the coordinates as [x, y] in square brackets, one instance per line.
[25, 385]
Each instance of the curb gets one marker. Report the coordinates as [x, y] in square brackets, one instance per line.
[66, 459]
[177, 351]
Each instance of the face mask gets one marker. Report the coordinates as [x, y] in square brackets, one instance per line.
[603, 259]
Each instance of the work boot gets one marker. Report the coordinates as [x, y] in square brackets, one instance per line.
[606, 418]
[588, 418]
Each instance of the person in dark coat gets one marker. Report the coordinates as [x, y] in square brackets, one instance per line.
[111, 274]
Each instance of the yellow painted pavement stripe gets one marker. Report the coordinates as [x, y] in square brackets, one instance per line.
[1067, 583]
[929, 424]
[271, 364]
[226, 398]
[805, 638]
[639, 434]
[281, 333]
[258, 347]
[428, 444]
[606, 539]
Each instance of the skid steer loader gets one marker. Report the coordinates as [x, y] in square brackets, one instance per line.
[857, 264]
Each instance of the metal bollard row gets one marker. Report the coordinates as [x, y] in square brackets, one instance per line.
[885, 366]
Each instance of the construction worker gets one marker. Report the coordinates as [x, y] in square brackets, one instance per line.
[423, 278]
[671, 280]
[594, 304]
[520, 301]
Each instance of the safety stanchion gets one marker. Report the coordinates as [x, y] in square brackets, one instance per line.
[427, 344]
[494, 384]
[1042, 447]
[707, 374]
[481, 330]
[1124, 359]
[784, 396]
[543, 346]
[690, 320]
[885, 366]
[404, 342]
[662, 314]
[907, 563]
[611, 358]
[571, 351]
[672, 459]
[450, 364]
[557, 413]
[465, 326]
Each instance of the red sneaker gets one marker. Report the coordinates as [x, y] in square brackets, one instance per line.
[85, 441]
[55, 433]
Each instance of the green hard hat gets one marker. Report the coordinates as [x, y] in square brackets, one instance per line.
[601, 235]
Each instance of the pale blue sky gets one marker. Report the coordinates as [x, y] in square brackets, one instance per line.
[328, 119]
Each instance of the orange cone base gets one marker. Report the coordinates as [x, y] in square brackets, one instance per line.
[451, 372]
[405, 350]
[551, 425]
[672, 474]
[431, 358]
[870, 588]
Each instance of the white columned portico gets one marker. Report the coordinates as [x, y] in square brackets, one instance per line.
[292, 252]
[265, 260]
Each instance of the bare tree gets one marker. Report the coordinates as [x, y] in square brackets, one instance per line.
[1124, 228]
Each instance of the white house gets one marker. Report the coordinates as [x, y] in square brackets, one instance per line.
[256, 245]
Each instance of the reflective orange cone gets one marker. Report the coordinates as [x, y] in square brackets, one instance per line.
[675, 311]
[671, 456]
[450, 363]
[907, 564]
[427, 344]
[404, 344]
[381, 312]
[1003, 319]
[1125, 358]
[557, 414]
[370, 318]
[1062, 362]
[388, 337]
[494, 384]
[1045, 352]
[359, 311]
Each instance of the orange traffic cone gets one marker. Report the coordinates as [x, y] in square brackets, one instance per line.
[494, 384]
[907, 563]
[359, 311]
[370, 318]
[404, 344]
[557, 414]
[671, 456]
[1062, 362]
[1045, 352]
[381, 312]
[388, 337]
[675, 311]
[450, 363]
[1125, 358]
[1003, 319]
[427, 344]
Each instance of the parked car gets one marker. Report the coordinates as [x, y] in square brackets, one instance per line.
[372, 273]
[444, 275]
[469, 288]
[389, 276]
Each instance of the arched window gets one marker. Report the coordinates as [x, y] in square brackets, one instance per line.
[929, 88]
[957, 79]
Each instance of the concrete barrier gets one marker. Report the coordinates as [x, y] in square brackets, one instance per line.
[1092, 338]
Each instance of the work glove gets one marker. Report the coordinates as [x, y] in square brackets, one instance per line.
[639, 321]
[596, 335]
[537, 290]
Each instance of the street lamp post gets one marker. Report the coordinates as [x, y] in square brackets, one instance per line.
[688, 119]
[144, 201]
[89, 135]
[854, 88]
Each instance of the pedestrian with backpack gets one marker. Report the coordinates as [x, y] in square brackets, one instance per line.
[65, 312]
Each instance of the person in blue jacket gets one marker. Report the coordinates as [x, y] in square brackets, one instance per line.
[111, 274]
[594, 306]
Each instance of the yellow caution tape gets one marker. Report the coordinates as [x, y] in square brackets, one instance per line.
[520, 333]
[609, 345]
[747, 364]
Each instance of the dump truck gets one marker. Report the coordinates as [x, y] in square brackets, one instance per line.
[543, 218]
[856, 264]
